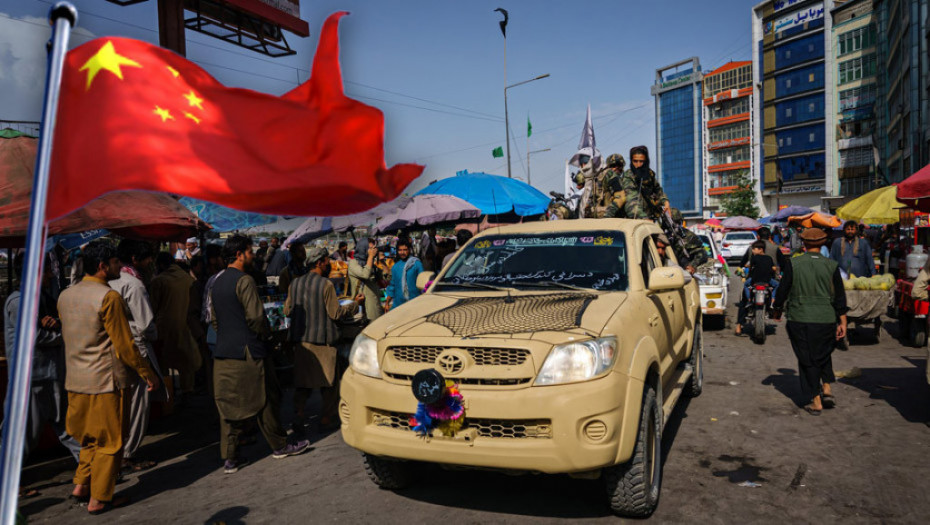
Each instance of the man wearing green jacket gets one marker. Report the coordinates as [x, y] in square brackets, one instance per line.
[812, 287]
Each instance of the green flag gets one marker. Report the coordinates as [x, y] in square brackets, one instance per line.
[529, 127]
[497, 152]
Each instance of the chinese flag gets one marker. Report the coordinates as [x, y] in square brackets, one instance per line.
[136, 116]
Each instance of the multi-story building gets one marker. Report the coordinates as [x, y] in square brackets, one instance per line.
[792, 66]
[856, 89]
[727, 122]
[677, 92]
[901, 62]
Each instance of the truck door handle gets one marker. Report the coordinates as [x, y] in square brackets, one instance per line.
[654, 320]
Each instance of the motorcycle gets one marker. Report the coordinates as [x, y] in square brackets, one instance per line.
[559, 208]
[760, 297]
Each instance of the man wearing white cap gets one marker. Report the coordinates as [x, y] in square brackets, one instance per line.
[191, 251]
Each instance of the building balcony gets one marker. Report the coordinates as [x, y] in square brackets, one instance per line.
[729, 143]
[723, 121]
[730, 94]
[745, 164]
[854, 142]
[722, 190]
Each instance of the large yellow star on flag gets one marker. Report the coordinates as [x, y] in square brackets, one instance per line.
[194, 100]
[106, 58]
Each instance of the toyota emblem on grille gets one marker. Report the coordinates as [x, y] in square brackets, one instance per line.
[450, 363]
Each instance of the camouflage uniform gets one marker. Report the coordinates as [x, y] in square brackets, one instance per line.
[609, 186]
[637, 199]
[696, 255]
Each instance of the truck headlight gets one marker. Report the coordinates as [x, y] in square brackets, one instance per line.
[580, 361]
[364, 356]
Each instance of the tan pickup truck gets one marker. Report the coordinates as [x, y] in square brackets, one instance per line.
[570, 342]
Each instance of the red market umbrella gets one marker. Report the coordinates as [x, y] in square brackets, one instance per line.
[914, 191]
[137, 214]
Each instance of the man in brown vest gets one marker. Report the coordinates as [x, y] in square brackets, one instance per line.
[313, 308]
[101, 362]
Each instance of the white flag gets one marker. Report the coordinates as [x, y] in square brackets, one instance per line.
[587, 145]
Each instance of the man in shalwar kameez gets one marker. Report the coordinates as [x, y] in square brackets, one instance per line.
[102, 362]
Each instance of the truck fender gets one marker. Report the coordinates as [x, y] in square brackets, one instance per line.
[645, 357]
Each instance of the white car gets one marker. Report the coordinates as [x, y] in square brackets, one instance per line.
[738, 243]
[712, 281]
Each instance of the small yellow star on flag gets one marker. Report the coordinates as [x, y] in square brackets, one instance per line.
[192, 117]
[163, 113]
[194, 100]
[106, 58]
[173, 71]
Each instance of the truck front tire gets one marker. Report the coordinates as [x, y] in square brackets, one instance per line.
[633, 487]
[386, 473]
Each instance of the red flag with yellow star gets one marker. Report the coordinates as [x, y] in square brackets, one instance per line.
[136, 116]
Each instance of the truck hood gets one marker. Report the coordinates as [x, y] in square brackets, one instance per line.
[415, 318]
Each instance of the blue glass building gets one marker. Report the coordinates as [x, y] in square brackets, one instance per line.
[678, 161]
[792, 67]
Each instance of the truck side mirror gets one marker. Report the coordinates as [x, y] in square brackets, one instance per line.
[666, 278]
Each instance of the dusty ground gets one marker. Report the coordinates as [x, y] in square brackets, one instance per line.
[866, 461]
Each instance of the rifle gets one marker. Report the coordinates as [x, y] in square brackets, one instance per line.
[675, 236]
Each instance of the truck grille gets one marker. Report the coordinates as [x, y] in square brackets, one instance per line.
[482, 356]
[471, 380]
[489, 428]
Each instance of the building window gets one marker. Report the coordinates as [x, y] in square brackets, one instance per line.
[787, 112]
[857, 97]
[787, 141]
[857, 69]
[787, 82]
[811, 138]
[856, 40]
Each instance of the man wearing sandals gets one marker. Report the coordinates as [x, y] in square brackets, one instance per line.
[101, 362]
[813, 289]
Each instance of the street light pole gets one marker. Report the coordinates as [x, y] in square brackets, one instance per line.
[507, 115]
[528, 152]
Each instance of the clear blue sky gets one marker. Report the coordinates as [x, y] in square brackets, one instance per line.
[602, 53]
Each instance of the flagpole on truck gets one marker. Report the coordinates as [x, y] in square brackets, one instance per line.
[62, 17]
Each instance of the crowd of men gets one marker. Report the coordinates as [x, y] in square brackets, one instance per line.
[136, 326]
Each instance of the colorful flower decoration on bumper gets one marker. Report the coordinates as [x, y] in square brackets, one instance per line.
[444, 412]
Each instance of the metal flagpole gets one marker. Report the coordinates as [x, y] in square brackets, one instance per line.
[62, 17]
[506, 115]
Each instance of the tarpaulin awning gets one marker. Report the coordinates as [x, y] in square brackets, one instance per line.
[225, 219]
[135, 214]
[820, 220]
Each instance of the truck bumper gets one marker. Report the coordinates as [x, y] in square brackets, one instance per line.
[552, 429]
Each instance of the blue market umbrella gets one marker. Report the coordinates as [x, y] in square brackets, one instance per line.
[492, 194]
[791, 211]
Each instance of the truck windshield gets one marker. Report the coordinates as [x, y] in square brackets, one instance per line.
[591, 259]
